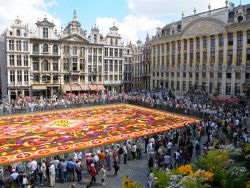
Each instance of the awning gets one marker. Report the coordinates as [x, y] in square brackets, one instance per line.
[92, 87]
[66, 88]
[85, 87]
[101, 88]
[76, 87]
[38, 87]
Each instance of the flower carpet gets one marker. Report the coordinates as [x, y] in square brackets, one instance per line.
[38, 135]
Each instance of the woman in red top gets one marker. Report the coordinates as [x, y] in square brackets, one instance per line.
[92, 174]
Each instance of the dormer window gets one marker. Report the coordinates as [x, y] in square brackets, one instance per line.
[45, 48]
[240, 19]
[45, 33]
[18, 33]
[10, 33]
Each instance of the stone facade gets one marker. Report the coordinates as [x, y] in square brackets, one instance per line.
[210, 50]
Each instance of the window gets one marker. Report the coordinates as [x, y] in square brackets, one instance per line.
[55, 49]
[55, 79]
[116, 42]
[82, 51]
[36, 79]
[198, 58]
[19, 76]
[239, 57]
[35, 64]
[55, 66]
[66, 49]
[18, 33]
[111, 41]
[45, 33]
[46, 78]
[45, 65]
[230, 39]
[116, 52]
[74, 50]
[11, 60]
[110, 65]
[66, 78]
[18, 45]
[212, 58]
[106, 65]
[25, 46]
[45, 48]
[26, 76]
[11, 33]
[25, 60]
[220, 57]
[116, 66]
[204, 42]
[120, 53]
[111, 52]
[238, 75]
[219, 75]
[12, 76]
[221, 40]
[191, 44]
[228, 75]
[229, 57]
[106, 52]
[185, 44]
[237, 89]
[204, 58]
[239, 38]
[19, 60]
[66, 64]
[248, 36]
[35, 48]
[212, 42]
[11, 45]
[197, 43]
[228, 89]
[82, 65]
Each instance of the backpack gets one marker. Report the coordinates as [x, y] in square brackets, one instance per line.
[197, 147]
[120, 151]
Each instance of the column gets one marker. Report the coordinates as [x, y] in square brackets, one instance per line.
[223, 81]
[188, 65]
[194, 61]
[234, 63]
[244, 60]
[208, 63]
[215, 79]
[201, 61]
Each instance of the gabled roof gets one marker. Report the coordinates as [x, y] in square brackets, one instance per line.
[45, 22]
[75, 37]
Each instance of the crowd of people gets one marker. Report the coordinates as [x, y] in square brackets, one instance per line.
[224, 124]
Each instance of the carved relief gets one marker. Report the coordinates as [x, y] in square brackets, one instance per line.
[203, 28]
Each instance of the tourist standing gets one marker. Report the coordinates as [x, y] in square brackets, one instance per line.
[92, 174]
[52, 174]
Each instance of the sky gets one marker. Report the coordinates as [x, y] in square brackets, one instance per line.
[134, 18]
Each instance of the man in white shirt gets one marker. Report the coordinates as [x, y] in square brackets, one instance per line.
[125, 153]
[169, 147]
[52, 174]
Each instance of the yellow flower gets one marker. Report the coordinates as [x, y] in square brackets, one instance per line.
[185, 170]
[209, 176]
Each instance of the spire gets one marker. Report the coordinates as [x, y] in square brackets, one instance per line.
[240, 2]
[74, 16]
[209, 6]
[182, 14]
[147, 37]
[226, 2]
[194, 10]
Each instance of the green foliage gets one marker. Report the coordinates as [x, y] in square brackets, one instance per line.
[162, 178]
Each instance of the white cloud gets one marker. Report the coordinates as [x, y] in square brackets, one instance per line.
[131, 27]
[27, 10]
[171, 7]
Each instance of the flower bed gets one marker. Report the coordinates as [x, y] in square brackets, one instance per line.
[38, 135]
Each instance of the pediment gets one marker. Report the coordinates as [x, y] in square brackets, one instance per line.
[203, 27]
[75, 38]
[46, 23]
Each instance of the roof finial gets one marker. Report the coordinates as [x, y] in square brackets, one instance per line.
[182, 14]
[74, 16]
[240, 2]
[226, 2]
[45, 16]
[113, 23]
[194, 10]
[209, 6]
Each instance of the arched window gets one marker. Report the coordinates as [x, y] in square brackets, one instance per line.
[45, 78]
[45, 65]
[36, 79]
[55, 79]
[18, 33]
[55, 49]
[45, 48]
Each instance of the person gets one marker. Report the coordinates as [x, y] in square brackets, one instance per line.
[92, 174]
[133, 151]
[103, 174]
[125, 153]
[150, 163]
[150, 179]
[52, 174]
[71, 170]
[116, 167]
[2, 181]
[79, 170]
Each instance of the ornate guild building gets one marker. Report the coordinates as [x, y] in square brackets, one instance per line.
[209, 49]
